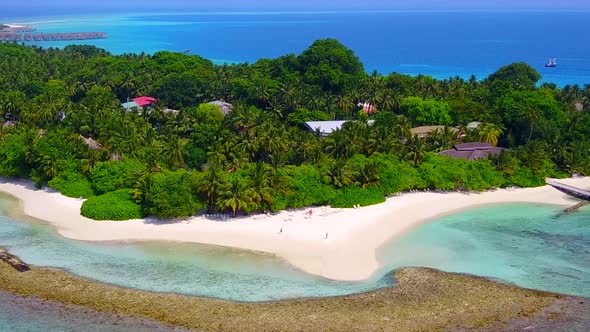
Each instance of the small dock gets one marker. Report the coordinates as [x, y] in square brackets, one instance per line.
[11, 36]
[570, 190]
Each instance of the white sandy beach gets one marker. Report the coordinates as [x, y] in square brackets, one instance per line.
[347, 254]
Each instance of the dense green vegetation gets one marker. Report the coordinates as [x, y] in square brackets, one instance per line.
[259, 157]
[116, 205]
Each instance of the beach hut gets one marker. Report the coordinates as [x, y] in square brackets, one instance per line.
[425, 131]
[225, 108]
[472, 151]
[8, 124]
[92, 144]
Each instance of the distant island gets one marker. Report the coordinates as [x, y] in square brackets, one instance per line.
[24, 33]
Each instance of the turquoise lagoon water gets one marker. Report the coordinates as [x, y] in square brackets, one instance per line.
[528, 245]
[192, 269]
[441, 44]
[522, 244]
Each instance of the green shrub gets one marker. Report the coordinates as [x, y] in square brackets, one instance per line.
[525, 178]
[114, 175]
[306, 187]
[117, 205]
[72, 185]
[170, 195]
[351, 196]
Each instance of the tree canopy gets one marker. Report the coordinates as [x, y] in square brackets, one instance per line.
[62, 125]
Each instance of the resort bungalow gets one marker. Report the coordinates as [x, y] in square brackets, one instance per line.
[8, 124]
[92, 144]
[473, 125]
[139, 103]
[472, 151]
[145, 101]
[131, 105]
[327, 127]
[425, 131]
[225, 108]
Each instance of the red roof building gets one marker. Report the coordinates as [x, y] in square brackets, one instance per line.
[145, 101]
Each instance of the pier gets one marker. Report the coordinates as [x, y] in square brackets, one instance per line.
[570, 190]
[29, 37]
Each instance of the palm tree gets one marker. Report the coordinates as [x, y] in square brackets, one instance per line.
[261, 182]
[345, 104]
[90, 161]
[128, 84]
[211, 184]
[415, 150]
[381, 139]
[235, 196]
[49, 165]
[532, 115]
[215, 155]
[262, 93]
[368, 174]
[175, 150]
[340, 175]
[288, 95]
[489, 133]
[403, 128]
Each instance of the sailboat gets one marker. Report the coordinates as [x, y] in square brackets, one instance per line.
[552, 63]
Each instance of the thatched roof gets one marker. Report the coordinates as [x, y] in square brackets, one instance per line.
[225, 108]
[424, 131]
[8, 124]
[92, 144]
[116, 157]
[472, 151]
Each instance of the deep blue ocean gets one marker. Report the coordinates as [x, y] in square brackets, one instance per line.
[441, 44]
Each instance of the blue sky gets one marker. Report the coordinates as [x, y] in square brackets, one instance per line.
[256, 5]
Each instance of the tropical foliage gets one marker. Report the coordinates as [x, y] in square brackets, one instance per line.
[259, 156]
[116, 205]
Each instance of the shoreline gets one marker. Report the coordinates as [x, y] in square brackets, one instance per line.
[354, 235]
[424, 299]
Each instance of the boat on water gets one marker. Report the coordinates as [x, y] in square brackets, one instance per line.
[552, 63]
[187, 51]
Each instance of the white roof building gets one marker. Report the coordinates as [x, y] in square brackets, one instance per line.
[327, 127]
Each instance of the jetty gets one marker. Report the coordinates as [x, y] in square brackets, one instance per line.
[10, 36]
[570, 190]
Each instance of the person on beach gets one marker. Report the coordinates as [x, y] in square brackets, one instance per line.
[326, 236]
[310, 212]
[281, 231]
